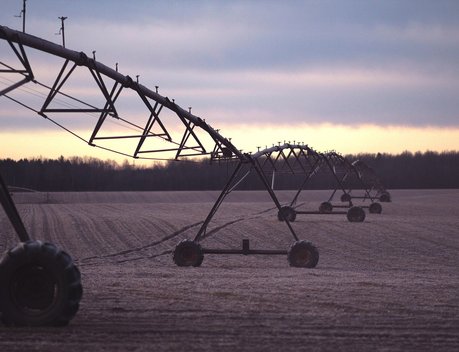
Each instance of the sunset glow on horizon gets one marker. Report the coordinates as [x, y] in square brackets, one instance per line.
[343, 139]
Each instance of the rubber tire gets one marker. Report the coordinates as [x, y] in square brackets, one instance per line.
[375, 208]
[355, 214]
[346, 197]
[188, 253]
[286, 213]
[385, 197]
[51, 299]
[303, 254]
[325, 208]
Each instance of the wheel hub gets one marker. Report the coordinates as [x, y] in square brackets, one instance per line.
[189, 254]
[301, 256]
[33, 288]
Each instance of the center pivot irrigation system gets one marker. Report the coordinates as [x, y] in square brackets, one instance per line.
[331, 165]
[39, 283]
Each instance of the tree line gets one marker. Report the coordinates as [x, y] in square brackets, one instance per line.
[403, 171]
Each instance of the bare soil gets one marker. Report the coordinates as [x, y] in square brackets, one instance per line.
[388, 284]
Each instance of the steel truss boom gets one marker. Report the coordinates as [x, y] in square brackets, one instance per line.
[100, 72]
[374, 183]
[346, 170]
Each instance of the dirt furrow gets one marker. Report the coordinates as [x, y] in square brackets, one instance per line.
[388, 284]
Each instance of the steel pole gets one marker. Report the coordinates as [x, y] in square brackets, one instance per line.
[12, 212]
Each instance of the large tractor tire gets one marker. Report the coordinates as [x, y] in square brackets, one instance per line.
[39, 286]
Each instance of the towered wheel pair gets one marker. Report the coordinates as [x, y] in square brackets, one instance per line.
[301, 254]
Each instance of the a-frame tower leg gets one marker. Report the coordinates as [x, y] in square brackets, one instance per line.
[12, 212]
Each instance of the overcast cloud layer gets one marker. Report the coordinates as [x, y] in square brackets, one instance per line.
[267, 62]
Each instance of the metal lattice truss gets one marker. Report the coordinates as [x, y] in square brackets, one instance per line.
[374, 184]
[307, 164]
[162, 115]
[298, 159]
[349, 178]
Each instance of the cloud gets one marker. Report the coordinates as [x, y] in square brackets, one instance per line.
[353, 62]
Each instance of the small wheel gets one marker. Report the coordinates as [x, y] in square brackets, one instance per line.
[345, 197]
[39, 286]
[303, 254]
[286, 213]
[188, 253]
[375, 208]
[325, 208]
[385, 197]
[356, 214]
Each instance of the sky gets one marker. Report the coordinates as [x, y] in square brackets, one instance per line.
[354, 76]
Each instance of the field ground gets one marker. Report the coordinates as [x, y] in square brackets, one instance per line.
[388, 284]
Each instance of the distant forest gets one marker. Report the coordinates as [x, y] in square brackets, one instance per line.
[403, 171]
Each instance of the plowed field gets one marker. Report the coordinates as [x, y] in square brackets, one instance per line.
[390, 283]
